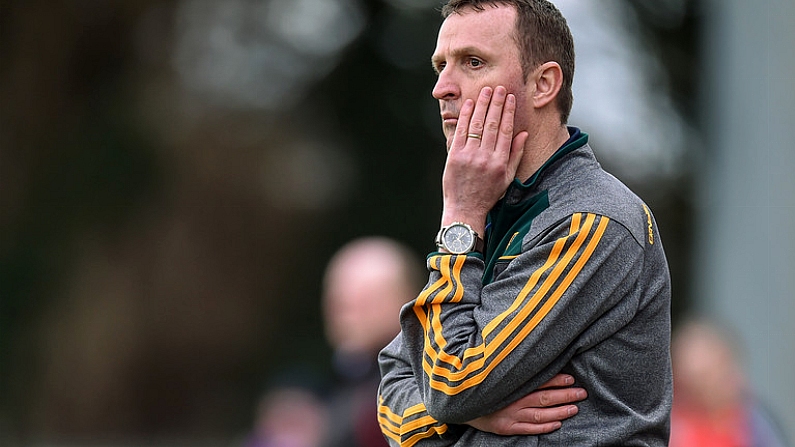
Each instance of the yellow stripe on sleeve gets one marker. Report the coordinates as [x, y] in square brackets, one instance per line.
[392, 424]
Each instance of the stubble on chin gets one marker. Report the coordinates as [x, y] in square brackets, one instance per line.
[448, 135]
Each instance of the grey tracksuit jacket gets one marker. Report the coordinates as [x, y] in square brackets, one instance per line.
[574, 280]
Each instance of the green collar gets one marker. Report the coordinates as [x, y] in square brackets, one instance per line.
[576, 140]
[508, 222]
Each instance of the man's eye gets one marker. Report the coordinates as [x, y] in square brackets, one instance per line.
[439, 67]
[475, 62]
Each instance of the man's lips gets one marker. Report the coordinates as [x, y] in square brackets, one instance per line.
[449, 119]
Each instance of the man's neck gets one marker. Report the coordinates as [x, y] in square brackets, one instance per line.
[539, 148]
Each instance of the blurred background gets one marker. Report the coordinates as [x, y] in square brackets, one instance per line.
[176, 174]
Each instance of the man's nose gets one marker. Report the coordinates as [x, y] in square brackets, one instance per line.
[446, 87]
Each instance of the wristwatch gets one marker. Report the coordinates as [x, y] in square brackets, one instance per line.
[459, 238]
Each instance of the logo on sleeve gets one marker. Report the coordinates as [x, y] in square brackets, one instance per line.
[512, 251]
[651, 228]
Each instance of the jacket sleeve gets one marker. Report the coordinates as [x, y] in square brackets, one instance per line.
[474, 349]
[402, 416]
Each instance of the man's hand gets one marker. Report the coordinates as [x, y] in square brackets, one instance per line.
[541, 411]
[483, 157]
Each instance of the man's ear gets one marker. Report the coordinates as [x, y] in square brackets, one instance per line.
[548, 78]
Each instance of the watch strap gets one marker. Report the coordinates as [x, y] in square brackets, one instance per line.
[480, 244]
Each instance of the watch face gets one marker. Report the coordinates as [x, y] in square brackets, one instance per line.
[458, 239]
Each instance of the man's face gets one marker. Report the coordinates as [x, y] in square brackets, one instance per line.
[477, 49]
[362, 299]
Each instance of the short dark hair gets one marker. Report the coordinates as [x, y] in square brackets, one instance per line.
[542, 35]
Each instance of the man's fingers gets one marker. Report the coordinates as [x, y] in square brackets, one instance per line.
[478, 121]
[462, 127]
[495, 119]
[541, 416]
[552, 397]
[539, 412]
[533, 421]
[546, 415]
[503, 125]
[560, 380]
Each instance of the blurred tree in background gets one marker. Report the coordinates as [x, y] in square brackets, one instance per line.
[175, 174]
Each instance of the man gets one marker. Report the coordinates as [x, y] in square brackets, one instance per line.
[365, 284]
[569, 276]
[714, 405]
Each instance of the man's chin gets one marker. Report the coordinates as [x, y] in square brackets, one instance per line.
[448, 142]
[448, 135]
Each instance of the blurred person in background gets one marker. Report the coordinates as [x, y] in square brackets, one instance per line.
[713, 404]
[365, 284]
[289, 416]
